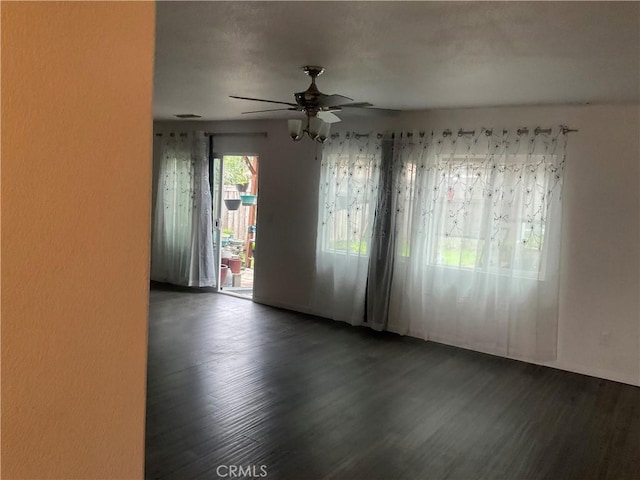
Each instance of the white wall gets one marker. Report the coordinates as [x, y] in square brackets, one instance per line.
[599, 325]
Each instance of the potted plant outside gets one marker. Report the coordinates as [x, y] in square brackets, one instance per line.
[248, 199]
[232, 203]
[224, 269]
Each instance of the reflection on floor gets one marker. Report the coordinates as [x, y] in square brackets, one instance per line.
[243, 284]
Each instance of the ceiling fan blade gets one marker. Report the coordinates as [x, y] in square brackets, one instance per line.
[332, 100]
[355, 105]
[272, 110]
[384, 111]
[365, 108]
[369, 112]
[262, 100]
[328, 117]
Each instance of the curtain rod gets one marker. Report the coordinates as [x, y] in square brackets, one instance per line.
[489, 131]
[236, 134]
[520, 131]
[221, 134]
[356, 135]
[173, 134]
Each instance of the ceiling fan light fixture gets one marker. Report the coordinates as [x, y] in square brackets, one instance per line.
[313, 126]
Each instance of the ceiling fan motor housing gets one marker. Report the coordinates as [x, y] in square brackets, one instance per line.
[310, 98]
[307, 99]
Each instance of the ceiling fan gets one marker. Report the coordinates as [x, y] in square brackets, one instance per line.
[317, 106]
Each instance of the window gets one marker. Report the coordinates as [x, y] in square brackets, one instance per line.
[488, 213]
[349, 195]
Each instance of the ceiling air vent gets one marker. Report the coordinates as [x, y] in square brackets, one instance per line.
[188, 115]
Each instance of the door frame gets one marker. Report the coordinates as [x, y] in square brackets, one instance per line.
[216, 207]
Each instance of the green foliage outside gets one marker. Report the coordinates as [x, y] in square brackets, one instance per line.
[454, 252]
[354, 247]
[456, 257]
[467, 253]
[458, 252]
[235, 170]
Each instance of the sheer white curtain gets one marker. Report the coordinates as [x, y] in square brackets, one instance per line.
[477, 239]
[182, 244]
[347, 201]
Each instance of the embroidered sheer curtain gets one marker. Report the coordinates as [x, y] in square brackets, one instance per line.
[478, 240]
[347, 201]
[182, 244]
[466, 240]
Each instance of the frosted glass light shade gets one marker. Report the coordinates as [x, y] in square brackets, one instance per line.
[315, 125]
[295, 129]
[323, 134]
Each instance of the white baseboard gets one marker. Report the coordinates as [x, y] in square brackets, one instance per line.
[286, 306]
[594, 372]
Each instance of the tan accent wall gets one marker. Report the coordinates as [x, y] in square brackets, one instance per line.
[76, 169]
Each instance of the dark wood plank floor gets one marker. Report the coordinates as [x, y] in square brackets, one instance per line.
[236, 383]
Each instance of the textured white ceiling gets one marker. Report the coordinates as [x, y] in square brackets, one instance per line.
[401, 55]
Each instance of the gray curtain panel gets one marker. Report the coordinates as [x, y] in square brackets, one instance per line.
[381, 257]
